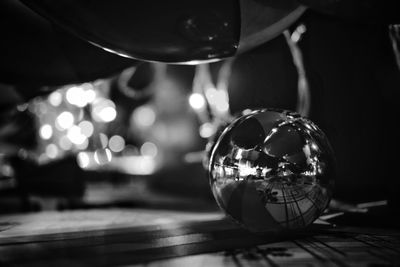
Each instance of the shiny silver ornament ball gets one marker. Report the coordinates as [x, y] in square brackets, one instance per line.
[272, 170]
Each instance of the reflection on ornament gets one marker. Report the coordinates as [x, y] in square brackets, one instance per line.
[272, 170]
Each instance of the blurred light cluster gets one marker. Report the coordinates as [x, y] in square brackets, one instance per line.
[81, 95]
[72, 119]
[81, 120]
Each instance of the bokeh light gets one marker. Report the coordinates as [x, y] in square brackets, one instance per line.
[65, 143]
[102, 156]
[103, 140]
[144, 116]
[75, 135]
[197, 101]
[107, 114]
[83, 159]
[218, 99]
[116, 143]
[46, 131]
[207, 130]
[104, 110]
[65, 120]
[86, 128]
[84, 145]
[149, 149]
[52, 151]
[55, 98]
[76, 96]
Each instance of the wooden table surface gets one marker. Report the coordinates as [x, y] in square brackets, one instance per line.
[140, 237]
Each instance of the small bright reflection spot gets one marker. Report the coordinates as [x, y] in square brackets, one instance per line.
[103, 140]
[46, 131]
[207, 130]
[116, 143]
[65, 143]
[86, 128]
[149, 149]
[65, 120]
[314, 146]
[296, 35]
[102, 156]
[75, 136]
[83, 159]
[246, 111]
[144, 116]
[52, 151]
[197, 101]
[246, 169]
[55, 98]
[104, 110]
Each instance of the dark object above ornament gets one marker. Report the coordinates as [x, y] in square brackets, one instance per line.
[175, 31]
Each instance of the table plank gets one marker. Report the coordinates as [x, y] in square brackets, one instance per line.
[119, 237]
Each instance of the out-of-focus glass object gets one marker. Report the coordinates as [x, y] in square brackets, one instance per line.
[272, 170]
[173, 31]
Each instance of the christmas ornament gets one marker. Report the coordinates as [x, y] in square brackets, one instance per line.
[272, 170]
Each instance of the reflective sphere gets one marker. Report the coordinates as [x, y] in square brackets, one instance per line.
[272, 170]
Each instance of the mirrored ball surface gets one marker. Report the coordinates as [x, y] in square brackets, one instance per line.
[272, 170]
